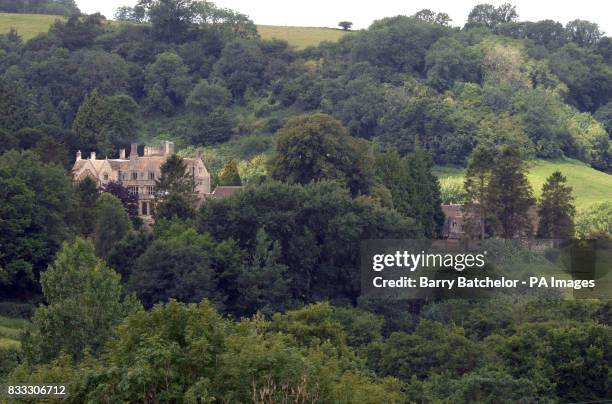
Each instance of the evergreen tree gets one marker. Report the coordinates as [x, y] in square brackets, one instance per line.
[90, 123]
[509, 195]
[175, 190]
[87, 194]
[229, 175]
[112, 224]
[476, 185]
[263, 284]
[174, 177]
[425, 199]
[556, 209]
[15, 112]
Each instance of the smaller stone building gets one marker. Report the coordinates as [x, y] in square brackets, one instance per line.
[139, 173]
[456, 220]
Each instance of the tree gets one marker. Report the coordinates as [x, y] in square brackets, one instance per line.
[91, 122]
[127, 13]
[425, 199]
[586, 75]
[37, 203]
[509, 195]
[112, 224]
[78, 31]
[179, 264]
[171, 20]
[175, 190]
[87, 194]
[318, 226]
[315, 147]
[241, 66]
[556, 210]
[128, 199]
[448, 61]
[206, 96]
[15, 112]
[81, 320]
[583, 33]
[431, 17]
[595, 221]
[489, 16]
[476, 185]
[229, 175]
[432, 348]
[167, 83]
[212, 127]
[263, 283]
[174, 177]
[345, 25]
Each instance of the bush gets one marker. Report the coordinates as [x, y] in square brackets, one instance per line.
[9, 358]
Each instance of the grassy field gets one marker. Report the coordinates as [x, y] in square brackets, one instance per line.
[30, 25]
[27, 25]
[300, 37]
[10, 331]
[589, 185]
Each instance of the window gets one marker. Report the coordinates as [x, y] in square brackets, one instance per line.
[105, 176]
[150, 190]
[133, 190]
[134, 175]
[151, 175]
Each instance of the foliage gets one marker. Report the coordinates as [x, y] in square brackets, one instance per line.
[595, 221]
[179, 264]
[229, 175]
[112, 224]
[345, 25]
[128, 199]
[175, 190]
[93, 309]
[316, 147]
[167, 83]
[318, 227]
[87, 194]
[489, 16]
[556, 210]
[37, 201]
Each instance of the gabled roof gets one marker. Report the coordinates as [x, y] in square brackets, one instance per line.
[223, 191]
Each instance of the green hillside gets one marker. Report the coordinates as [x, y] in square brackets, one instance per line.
[30, 25]
[589, 185]
[300, 37]
[10, 332]
[27, 25]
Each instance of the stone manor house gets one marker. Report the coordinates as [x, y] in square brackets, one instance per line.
[138, 173]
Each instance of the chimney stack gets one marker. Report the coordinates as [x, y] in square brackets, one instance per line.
[169, 148]
[122, 154]
[78, 155]
[134, 151]
[93, 155]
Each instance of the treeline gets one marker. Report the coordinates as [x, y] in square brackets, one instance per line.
[52, 7]
[303, 223]
[500, 350]
[201, 74]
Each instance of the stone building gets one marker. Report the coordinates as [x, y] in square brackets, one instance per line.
[138, 173]
[456, 220]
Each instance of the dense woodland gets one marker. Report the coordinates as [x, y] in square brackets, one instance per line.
[256, 297]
